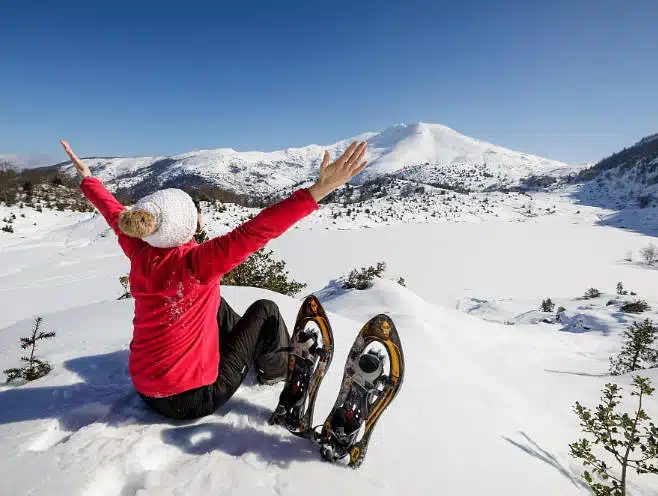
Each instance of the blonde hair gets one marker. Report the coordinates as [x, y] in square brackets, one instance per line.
[137, 223]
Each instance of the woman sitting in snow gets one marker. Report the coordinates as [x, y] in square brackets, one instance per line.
[190, 351]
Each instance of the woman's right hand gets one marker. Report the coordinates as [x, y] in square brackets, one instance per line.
[81, 167]
[335, 174]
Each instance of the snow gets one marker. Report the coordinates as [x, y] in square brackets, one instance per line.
[407, 145]
[621, 186]
[433, 148]
[486, 404]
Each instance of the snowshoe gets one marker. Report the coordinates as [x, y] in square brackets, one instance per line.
[310, 354]
[372, 378]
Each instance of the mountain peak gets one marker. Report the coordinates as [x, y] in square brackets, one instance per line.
[406, 145]
[390, 151]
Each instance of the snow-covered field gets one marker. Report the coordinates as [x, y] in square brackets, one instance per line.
[486, 406]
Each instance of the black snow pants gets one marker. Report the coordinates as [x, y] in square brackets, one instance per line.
[256, 338]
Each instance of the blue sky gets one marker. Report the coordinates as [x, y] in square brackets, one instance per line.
[571, 80]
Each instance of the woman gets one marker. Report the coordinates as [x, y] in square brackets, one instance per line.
[190, 351]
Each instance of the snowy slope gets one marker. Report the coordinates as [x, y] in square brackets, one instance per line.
[434, 144]
[432, 147]
[626, 179]
[622, 187]
[246, 172]
[485, 407]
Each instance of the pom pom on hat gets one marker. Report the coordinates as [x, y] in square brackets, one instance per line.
[175, 215]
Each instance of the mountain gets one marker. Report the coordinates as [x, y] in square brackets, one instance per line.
[420, 152]
[403, 146]
[625, 179]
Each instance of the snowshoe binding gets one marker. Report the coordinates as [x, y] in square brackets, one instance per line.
[310, 354]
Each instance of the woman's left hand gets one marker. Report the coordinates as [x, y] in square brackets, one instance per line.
[81, 167]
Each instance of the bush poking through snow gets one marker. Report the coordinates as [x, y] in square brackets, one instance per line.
[592, 293]
[363, 278]
[125, 282]
[35, 367]
[259, 270]
[402, 282]
[547, 305]
[637, 306]
[201, 236]
[649, 254]
[638, 350]
[631, 439]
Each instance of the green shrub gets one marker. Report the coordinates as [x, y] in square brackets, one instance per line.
[125, 282]
[592, 293]
[631, 439]
[363, 278]
[547, 305]
[638, 350]
[201, 236]
[637, 306]
[260, 270]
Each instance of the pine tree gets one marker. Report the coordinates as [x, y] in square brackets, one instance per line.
[259, 270]
[638, 350]
[547, 305]
[363, 278]
[625, 437]
[637, 306]
[35, 367]
[592, 293]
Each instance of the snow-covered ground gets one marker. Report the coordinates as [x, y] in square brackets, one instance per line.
[486, 407]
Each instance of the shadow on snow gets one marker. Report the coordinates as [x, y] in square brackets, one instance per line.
[529, 446]
[237, 441]
[106, 395]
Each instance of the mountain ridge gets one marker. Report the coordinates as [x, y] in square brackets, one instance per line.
[261, 173]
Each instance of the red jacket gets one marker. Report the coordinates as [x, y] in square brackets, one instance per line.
[176, 291]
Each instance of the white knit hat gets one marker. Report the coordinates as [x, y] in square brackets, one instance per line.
[176, 217]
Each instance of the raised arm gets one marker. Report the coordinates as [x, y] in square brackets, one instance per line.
[214, 258]
[103, 200]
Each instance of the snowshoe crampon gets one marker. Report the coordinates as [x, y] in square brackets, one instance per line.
[310, 353]
[372, 378]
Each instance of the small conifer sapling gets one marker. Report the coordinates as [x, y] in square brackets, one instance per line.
[638, 350]
[35, 368]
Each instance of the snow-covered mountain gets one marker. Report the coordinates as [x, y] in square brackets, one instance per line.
[420, 151]
[626, 179]
[403, 146]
